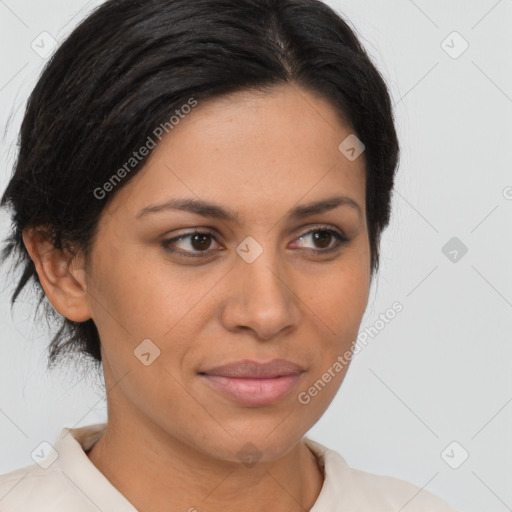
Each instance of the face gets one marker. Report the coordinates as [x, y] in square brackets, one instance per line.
[257, 277]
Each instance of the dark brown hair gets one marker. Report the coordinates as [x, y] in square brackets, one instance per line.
[126, 69]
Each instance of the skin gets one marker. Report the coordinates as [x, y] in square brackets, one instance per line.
[275, 150]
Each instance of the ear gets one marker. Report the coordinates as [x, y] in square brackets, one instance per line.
[62, 276]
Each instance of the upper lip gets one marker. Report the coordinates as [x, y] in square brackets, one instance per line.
[257, 370]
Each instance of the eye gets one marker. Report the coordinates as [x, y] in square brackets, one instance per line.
[198, 243]
[324, 237]
[195, 243]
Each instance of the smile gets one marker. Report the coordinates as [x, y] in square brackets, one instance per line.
[254, 383]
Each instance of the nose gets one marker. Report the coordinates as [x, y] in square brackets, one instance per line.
[261, 298]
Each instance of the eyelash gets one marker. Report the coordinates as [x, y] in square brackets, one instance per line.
[338, 235]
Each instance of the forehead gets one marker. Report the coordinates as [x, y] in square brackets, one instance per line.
[251, 150]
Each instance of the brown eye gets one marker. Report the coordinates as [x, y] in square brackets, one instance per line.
[201, 241]
[323, 239]
[192, 244]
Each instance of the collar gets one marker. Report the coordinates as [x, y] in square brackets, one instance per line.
[74, 442]
[71, 447]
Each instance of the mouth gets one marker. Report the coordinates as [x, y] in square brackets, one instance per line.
[252, 383]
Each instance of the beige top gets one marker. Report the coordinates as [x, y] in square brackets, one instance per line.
[65, 480]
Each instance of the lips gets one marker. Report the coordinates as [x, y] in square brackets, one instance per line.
[251, 383]
[256, 370]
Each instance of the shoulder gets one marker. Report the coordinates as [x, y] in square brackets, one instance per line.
[391, 492]
[355, 489]
[32, 488]
[64, 480]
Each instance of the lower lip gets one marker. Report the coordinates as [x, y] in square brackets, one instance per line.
[253, 392]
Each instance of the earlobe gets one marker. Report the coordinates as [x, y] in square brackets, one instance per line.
[62, 276]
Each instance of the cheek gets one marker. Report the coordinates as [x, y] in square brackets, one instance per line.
[141, 297]
[134, 290]
[339, 297]
[338, 303]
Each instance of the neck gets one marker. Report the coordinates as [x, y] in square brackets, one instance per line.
[172, 476]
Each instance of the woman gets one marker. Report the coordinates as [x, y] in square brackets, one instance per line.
[200, 192]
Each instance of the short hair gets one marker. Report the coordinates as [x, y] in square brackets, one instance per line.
[127, 68]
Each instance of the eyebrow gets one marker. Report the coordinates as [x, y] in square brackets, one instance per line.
[215, 211]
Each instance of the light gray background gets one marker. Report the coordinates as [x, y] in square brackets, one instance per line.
[440, 371]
